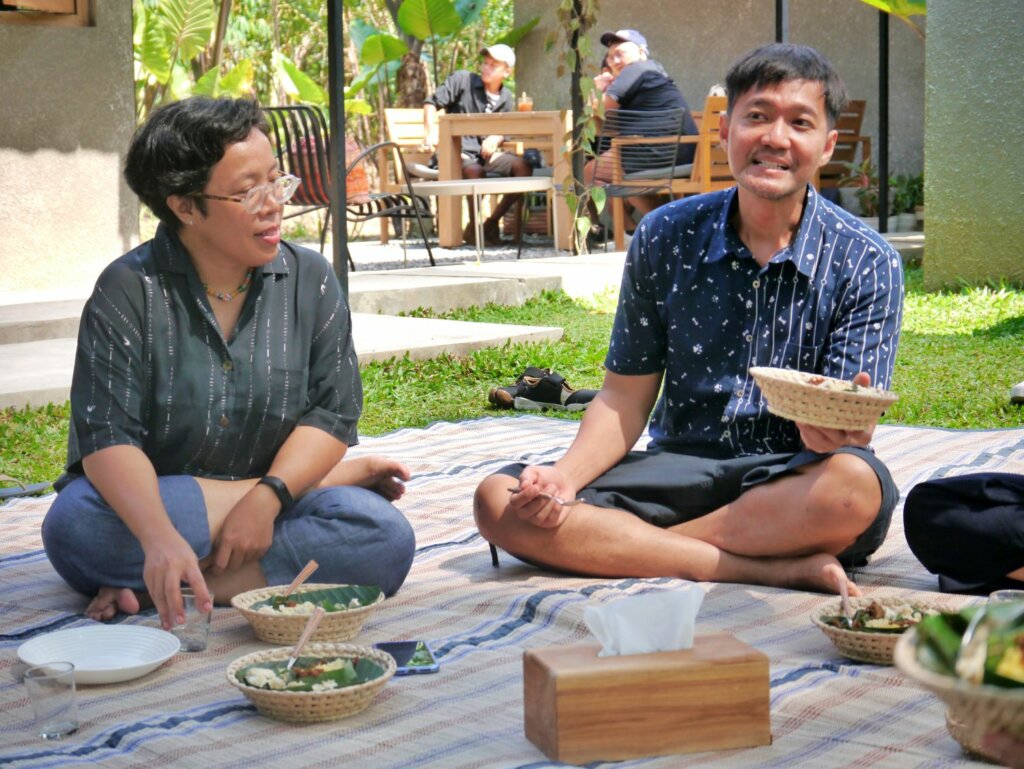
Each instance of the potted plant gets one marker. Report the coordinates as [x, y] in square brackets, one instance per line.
[904, 197]
[862, 179]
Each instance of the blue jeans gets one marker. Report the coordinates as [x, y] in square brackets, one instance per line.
[356, 536]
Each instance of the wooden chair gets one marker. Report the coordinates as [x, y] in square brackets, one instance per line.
[708, 172]
[849, 126]
[301, 141]
[405, 133]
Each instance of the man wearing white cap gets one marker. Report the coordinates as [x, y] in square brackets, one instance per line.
[466, 92]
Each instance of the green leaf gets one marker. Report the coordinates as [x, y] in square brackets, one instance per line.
[599, 196]
[350, 674]
[360, 31]
[358, 107]
[238, 82]
[297, 83]
[380, 48]
[337, 597]
[426, 18]
[513, 38]
[583, 225]
[470, 10]
[190, 24]
[155, 52]
[208, 84]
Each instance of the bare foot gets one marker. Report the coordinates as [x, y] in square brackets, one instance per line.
[820, 572]
[111, 600]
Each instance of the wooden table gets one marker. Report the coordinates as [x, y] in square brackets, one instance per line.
[544, 130]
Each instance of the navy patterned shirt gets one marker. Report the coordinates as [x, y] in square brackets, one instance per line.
[154, 371]
[695, 305]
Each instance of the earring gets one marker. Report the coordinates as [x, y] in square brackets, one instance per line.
[190, 222]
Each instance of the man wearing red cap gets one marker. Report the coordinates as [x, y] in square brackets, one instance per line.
[466, 92]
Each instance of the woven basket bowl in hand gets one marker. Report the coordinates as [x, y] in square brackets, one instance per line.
[286, 628]
[876, 648]
[820, 400]
[307, 707]
[974, 710]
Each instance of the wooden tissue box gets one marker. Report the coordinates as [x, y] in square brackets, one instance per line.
[581, 707]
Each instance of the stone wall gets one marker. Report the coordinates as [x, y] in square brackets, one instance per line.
[696, 41]
[68, 114]
[975, 109]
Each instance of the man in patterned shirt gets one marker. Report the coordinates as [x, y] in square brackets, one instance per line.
[767, 273]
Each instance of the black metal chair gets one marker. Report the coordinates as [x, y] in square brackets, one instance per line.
[639, 153]
[301, 141]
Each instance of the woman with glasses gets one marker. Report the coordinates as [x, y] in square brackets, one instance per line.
[216, 390]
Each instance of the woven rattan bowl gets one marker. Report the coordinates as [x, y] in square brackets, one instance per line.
[876, 648]
[974, 710]
[306, 707]
[821, 400]
[286, 628]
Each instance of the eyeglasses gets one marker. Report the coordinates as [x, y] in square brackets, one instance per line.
[281, 190]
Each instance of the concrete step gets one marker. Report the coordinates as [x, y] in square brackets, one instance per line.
[39, 372]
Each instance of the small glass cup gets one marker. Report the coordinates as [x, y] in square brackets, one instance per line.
[196, 630]
[51, 689]
[525, 103]
[1006, 596]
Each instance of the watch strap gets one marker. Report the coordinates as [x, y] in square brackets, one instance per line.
[280, 488]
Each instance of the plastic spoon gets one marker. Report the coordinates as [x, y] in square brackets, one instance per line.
[301, 577]
[311, 623]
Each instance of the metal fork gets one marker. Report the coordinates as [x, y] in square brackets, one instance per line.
[559, 500]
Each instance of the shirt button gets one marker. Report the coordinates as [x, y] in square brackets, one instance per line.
[749, 337]
[227, 365]
[756, 283]
[224, 421]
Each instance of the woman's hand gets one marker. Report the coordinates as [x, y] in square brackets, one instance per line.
[247, 532]
[169, 562]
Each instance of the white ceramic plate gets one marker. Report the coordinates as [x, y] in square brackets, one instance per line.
[103, 654]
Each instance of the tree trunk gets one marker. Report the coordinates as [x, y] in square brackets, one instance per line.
[412, 81]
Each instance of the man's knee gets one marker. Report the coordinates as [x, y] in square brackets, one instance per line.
[489, 504]
[848, 493]
[521, 168]
[473, 171]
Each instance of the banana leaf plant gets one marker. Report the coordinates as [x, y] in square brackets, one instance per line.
[902, 9]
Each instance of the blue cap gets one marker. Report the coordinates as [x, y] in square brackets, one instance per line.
[624, 36]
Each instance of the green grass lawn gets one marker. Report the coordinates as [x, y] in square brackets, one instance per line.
[958, 357]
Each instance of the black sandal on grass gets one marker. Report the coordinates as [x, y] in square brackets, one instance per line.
[22, 489]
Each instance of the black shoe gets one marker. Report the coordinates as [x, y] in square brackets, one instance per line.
[541, 388]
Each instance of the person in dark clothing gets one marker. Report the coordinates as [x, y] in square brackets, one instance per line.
[466, 93]
[969, 530]
[638, 84]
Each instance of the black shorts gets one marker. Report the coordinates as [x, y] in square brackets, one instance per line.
[665, 488]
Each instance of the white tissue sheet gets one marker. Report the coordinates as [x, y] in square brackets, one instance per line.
[653, 622]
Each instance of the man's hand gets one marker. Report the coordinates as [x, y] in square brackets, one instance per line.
[247, 531]
[541, 511]
[824, 440]
[169, 562]
[490, 145]
[602, 81]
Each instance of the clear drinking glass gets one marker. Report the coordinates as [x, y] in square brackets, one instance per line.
[525, 103]
[1006, 596]
[51, 689]
[196, 630]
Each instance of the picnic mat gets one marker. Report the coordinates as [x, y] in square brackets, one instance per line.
[825, 710]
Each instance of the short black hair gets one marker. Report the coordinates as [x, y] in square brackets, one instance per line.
[174, 151]
[778, 63]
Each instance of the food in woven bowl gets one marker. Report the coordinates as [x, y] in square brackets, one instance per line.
[280, 620]
[875, 627]
[928, 655]
[329, 681]
[821, 400]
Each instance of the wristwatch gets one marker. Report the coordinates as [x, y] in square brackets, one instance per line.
[280, 488]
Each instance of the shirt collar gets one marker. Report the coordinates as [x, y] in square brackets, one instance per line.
[171, 255]
[725, 240]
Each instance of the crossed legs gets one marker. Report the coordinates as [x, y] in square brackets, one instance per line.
[784, 533]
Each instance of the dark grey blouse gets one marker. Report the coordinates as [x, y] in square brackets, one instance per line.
[154, 371]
